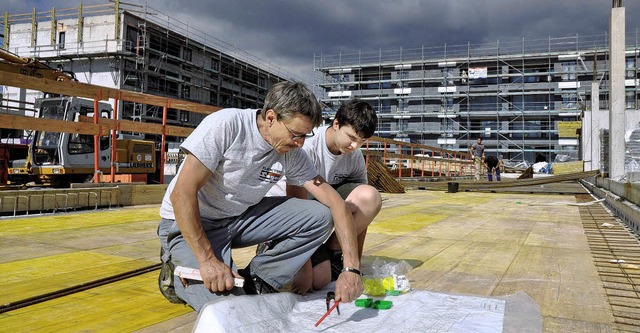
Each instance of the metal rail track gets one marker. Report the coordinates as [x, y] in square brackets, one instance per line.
[616, 252]
[77, 288]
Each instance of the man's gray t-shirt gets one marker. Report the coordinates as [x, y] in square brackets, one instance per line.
[335, 169]
[243, 165]
[478, 150]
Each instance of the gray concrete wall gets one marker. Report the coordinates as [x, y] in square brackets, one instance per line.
[592, 123]
[622, 197]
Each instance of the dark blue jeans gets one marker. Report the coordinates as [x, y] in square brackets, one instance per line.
[490, 174]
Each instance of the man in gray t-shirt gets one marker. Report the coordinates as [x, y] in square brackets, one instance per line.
[335, 153]
[477, 152]
[216, 203]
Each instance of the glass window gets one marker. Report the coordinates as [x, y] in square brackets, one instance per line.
[569, 101]
[630, 100]
[403, 75]
[489, 128]
[530, 75]
[530, 102]
[52, 110]
[82, 143]
[447, 104]
[184, 116]
[385, 106]
[61, 40]
[482, 103]
[631, 68]
[187, 54]
[185, 93]
[213, 95]
[402, 105]
[528, 129]
[569, 71]
[215, 64]
[447, 76]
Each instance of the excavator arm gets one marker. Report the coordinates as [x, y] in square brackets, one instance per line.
[12, 63]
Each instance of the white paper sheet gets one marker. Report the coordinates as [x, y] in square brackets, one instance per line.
[415, 311]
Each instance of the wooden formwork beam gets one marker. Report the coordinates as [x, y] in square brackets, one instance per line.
[86, 126]
[505, 183]
[90, 91]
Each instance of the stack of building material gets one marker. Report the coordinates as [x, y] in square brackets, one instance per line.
[568, 167]
[380, 178]
[632, 150]
[604, 151]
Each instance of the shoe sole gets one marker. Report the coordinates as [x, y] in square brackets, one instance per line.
[165, 283]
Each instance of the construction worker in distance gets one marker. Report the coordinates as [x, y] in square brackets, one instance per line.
[493, 165]
[477, 153]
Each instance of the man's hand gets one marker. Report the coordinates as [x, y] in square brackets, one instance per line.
[348, 287]
[217, 276]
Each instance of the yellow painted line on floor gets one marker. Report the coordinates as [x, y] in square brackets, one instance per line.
[124, 306]
[398, 230]
[405, 223]
[28, 278]
[60, 222]
[406, 218]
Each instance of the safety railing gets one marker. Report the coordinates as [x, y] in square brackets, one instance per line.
[406, 159]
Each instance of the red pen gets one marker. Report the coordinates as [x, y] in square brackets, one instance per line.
[328, 312]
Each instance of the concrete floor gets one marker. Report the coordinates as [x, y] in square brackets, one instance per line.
[489, 244]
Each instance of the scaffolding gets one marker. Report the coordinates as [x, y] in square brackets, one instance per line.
[514, 94]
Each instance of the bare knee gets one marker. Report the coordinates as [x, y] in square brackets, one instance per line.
[321, 275]
[365, 203]
[365, 197]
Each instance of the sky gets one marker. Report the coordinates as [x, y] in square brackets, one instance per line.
[289, 33]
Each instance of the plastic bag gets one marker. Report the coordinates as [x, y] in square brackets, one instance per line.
[388, 278]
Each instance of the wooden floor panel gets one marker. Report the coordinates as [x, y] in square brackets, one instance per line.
[489, 244]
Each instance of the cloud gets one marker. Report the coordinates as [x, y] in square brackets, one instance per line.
[288, 33]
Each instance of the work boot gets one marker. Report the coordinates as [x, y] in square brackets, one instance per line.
[254, 285]
[165, 281]
[262, 247]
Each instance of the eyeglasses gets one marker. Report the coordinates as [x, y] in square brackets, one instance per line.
[295, 136]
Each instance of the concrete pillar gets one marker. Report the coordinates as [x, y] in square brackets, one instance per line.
[590, 133]
[616, 93]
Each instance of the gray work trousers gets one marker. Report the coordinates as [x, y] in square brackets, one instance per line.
[302, 225]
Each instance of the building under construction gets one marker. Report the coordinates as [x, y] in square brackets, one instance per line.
[524, 98]
[138, 48]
